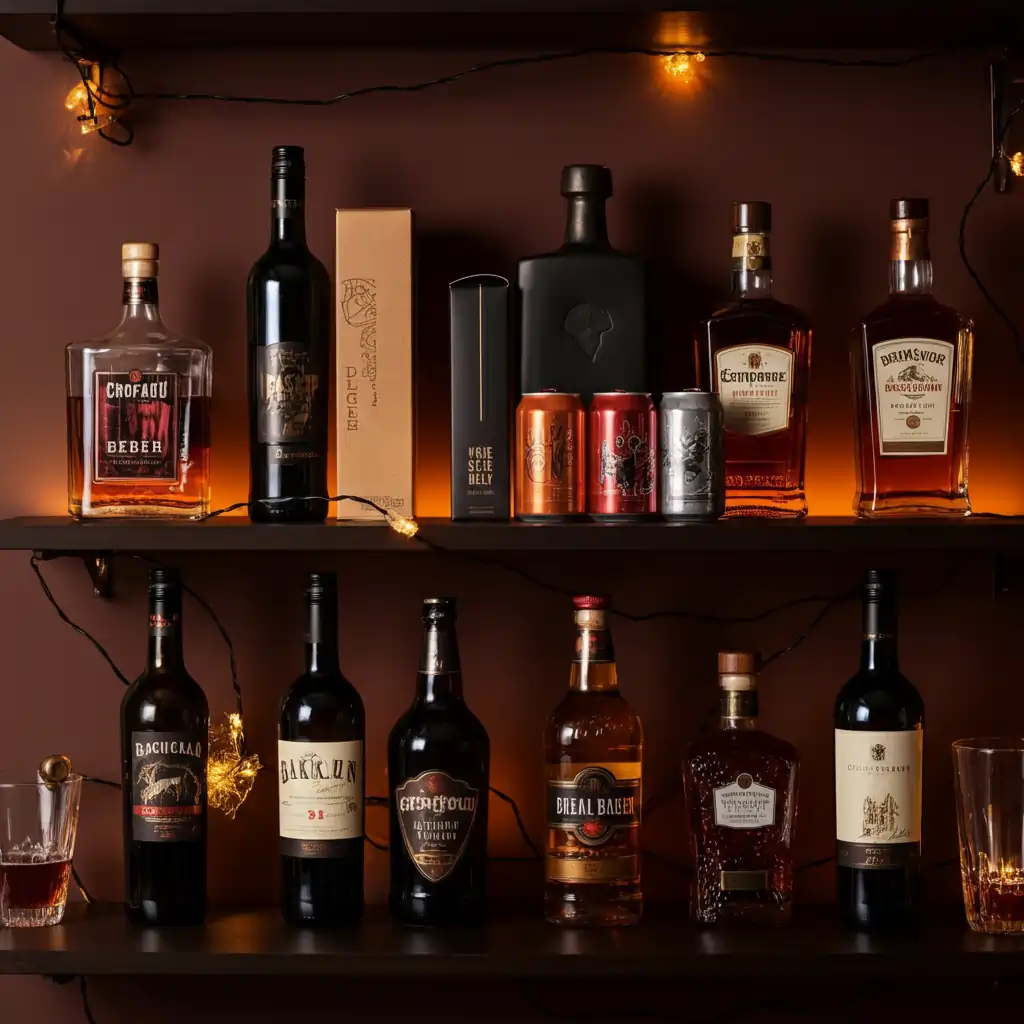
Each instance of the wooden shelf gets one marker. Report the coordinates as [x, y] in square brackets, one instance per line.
[130, 24]
[99, 941]
[63, 536]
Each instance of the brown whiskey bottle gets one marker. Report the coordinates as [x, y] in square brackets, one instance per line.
[756, 354]
[594, 751]
[912, 360]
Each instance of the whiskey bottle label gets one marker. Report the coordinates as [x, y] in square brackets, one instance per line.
[136, 426]
[436, 815]
[744, 803]
[913, 385]
[755, 383]
[878, 797]
[168, 786]
[595, 804]
[320, 796]
[289, 380]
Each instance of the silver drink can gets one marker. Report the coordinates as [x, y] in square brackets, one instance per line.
[692, 471]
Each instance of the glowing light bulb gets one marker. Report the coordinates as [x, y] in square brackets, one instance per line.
[231, 771]
[1017, 164]
[403, 525]
[682, 66]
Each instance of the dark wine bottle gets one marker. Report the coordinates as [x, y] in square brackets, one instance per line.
[879, 722]
[438, 769]
[165, 726]
[320, 782]
[289, 313]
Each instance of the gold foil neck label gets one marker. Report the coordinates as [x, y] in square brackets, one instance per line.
[593, 869]
[752, 249]
[909, 240]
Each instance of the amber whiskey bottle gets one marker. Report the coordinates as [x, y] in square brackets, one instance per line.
[912, 360]
[594, 749]
[756, 354]
[741, 795]
[582, 311]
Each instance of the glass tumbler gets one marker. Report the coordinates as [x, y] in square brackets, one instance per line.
[989, 781]
[38, 823]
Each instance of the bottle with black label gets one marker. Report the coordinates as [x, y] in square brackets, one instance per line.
[165, 724]
[438, 769]
[583, 309]
[594, 751]
[879, 722]
[320, 777]
[289, 312]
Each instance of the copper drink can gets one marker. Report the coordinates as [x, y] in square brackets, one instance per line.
[622, 456]
[549, 465]
[692, 471]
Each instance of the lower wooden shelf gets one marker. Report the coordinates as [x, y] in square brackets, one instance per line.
[98, 941]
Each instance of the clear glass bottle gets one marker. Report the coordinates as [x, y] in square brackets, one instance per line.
[594, 751]
[741, 794]
[139, 411]
[912, 360]
[755, 353]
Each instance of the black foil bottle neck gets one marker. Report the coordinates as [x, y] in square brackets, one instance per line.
[165, 643]
[139, 292]
[440, 672]
[879, 645]
[586, 224]
[322, 633]
[288, 206]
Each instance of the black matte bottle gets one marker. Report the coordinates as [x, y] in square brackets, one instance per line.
[320, 777]
[438, 774]
[165, 723]
[583, 306]
[289, 314]
[879, 722]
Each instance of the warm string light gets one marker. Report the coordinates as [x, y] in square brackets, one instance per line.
[97, 100]
[402, 525]
[683, 66]
[231, 772]
[1017, 164]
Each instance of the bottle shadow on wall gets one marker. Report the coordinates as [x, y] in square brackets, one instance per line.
[677, 296]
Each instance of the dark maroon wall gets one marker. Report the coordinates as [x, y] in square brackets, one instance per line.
[479, 162]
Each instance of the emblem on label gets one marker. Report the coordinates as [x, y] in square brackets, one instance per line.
[168, 786]
[744, 804]
[289, 383]
[436, 814]
[587, 325]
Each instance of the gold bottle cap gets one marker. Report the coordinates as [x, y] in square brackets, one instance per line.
[55, 769]
[140, 259]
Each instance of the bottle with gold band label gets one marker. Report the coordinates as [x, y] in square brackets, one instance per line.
[594, 750]
[755, 353]
[879, 723]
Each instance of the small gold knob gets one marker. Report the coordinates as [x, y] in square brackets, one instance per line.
[55, 769]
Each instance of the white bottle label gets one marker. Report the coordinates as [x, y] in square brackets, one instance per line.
[744, 804]
[913, 388]
[320, 793]
[878, 787]
[755, 383]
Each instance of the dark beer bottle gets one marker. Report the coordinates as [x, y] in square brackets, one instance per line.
[438, 771]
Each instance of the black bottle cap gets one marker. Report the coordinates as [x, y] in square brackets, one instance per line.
[162, 580]
[879, 584]
[751, 218]
[287, 161]
[437, 608]
[320, 585]
[908, 209]
[586, 180]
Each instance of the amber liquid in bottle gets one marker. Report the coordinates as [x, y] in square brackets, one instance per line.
[756, 354]
[594, 750]
[912, 361]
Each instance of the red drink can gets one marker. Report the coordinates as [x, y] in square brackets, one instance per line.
[550, 466]
[622, 455]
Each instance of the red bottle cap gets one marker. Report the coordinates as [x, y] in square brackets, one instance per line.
[590, 601]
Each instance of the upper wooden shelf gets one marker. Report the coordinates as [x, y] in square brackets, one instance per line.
[62, 535]
[131, 24]
[99, 941]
